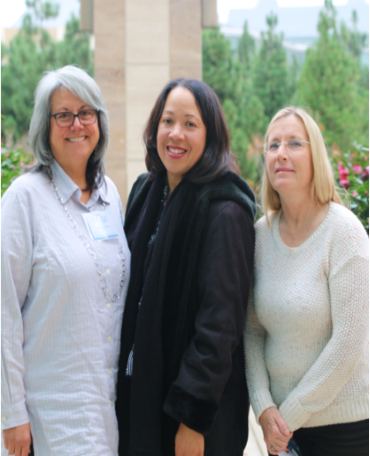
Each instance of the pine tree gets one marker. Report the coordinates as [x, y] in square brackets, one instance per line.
[329, 82]
[29, 55]
[270, 71]
[218, 71]
[246, 48]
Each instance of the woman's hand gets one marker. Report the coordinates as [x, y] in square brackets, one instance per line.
[275, 430]
[17, 440]
[188, 442]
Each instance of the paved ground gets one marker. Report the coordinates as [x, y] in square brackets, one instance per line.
[256, 445]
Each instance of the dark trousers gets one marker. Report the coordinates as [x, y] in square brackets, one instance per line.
[347, 439]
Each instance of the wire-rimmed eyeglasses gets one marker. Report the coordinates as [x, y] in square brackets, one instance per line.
[66, 119]
[292, 145]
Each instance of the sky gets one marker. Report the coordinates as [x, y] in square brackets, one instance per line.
[11, 10]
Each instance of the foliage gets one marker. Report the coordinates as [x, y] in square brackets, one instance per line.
[329, 84]
[218, 70]
[351, 169]
[29, 55]
[270, 72]
[13, 162]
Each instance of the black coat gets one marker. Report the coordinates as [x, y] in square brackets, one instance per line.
[210, 262]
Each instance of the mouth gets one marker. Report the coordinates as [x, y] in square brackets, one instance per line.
[284, 170]
[175, 151]
[81, 138]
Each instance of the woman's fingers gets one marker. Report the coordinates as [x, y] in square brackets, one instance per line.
[17, 440]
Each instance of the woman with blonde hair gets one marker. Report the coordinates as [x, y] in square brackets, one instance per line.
[307, 326]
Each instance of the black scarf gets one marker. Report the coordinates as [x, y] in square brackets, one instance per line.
[186, 212]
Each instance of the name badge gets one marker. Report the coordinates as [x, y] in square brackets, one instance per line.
[100, 225]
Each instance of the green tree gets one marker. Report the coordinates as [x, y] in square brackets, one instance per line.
[43, 10]
[329, 85]
[75, 47]
[218, 70]
[270, 70]
[29, 55]
[246, 48]
[22, 66]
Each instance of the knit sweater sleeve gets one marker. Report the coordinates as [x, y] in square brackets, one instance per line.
[257, 376]
[348, 282]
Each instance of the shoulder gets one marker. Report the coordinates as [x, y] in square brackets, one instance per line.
[229, 213]
[26, 187]
[346, 231]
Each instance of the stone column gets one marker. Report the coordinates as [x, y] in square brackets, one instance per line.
[110, 75]
[139, 46]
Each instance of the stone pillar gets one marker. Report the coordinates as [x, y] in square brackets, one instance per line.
[139, 46]
[110, 75]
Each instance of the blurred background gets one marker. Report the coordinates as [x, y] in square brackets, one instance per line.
[258, 56]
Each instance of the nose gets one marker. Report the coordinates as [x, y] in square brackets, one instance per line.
[76, 124]
[282, 151]
[176, 132]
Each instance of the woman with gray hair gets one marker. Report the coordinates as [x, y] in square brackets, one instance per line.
[65, 271]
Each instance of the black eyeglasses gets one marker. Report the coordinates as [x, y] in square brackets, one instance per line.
[66, 119]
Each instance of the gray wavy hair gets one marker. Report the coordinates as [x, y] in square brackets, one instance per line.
[83, 86]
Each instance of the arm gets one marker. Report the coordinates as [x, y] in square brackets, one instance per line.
[16, 268]
[275, 430]
[348, 283]
[223, 284]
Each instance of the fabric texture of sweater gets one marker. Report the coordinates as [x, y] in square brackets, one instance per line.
[306, 334]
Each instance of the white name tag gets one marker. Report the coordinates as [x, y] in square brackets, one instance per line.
[100, 225]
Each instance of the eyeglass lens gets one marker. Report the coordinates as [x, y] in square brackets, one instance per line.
[66, 119]
[292, 145]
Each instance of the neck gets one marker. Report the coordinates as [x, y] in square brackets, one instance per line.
[173, 181]
[77, 174]
[299, 210]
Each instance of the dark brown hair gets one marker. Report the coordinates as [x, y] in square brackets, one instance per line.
[217, 157]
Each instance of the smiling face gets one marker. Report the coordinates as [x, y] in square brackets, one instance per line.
[71, 146]
[181, 136]
[289, 171]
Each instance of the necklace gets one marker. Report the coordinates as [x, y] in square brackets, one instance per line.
[86, 243]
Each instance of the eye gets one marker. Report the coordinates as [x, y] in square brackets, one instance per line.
[274, 145]
[167, 121]
[190, 124]
[294, 143]
[63, 115]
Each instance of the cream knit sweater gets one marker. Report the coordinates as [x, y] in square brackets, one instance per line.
[306, 334]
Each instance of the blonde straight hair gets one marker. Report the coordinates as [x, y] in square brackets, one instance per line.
[323, 187]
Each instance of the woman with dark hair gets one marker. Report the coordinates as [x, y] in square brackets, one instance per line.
[189, 223]
[65, 268]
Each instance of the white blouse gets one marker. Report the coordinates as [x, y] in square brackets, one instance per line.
[60, 335]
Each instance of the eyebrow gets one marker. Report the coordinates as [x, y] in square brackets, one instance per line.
[66, 109]
[186, 115]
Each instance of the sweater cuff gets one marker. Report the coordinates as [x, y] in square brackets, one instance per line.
[196, 413]
[261, 400]
[293, 413]
[13, 416]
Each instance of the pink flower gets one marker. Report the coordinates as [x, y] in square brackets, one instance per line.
[366, 192]
[357, 169]
[13, 167]
[343, 173]
[367, 171]
[340, 166]
[355, 194]
[21, 164]
[7, 154]
[344, 183]
[352, 156]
